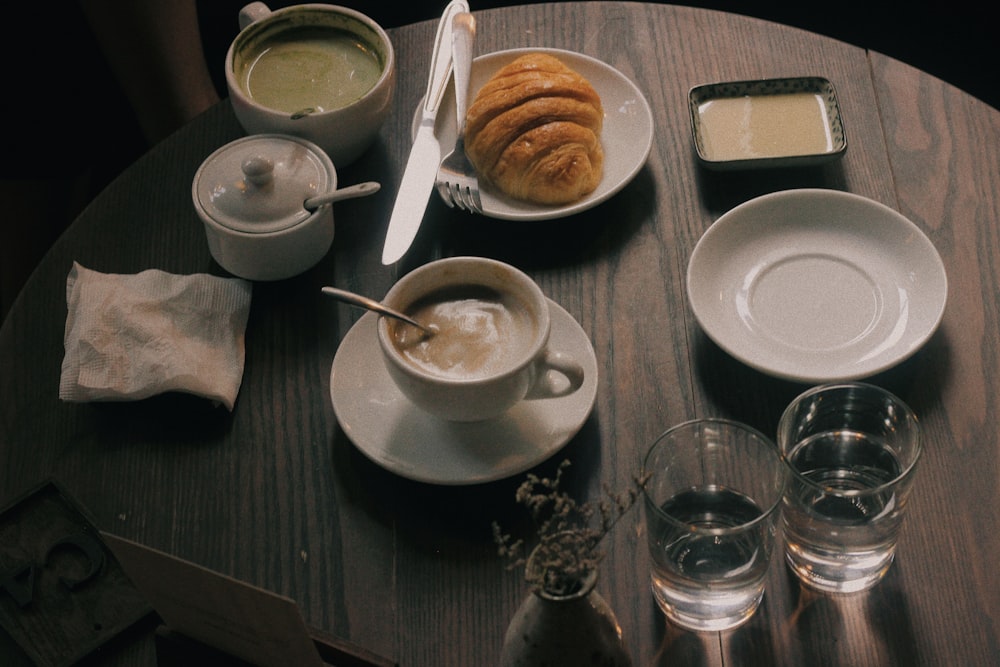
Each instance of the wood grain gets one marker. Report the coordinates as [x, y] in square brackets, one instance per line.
[276, 494]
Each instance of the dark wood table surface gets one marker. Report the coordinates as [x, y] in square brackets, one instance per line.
[276, 495]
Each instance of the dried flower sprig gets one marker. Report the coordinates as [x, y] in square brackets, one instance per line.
[568, 533]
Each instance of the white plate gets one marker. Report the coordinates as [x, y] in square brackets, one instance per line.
[816, 285]
[627, 135]
[405, 440]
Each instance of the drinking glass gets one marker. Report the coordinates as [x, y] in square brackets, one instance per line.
[851, 449]
[711, 495]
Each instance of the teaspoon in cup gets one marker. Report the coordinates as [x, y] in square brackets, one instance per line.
[372, 304]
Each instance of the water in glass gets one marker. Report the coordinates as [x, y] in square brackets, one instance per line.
[708, 570]
[842, 518]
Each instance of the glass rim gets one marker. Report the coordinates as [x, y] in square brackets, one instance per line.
[907, 471]
[766, 512]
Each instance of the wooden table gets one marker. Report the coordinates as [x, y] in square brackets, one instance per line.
[276, 495]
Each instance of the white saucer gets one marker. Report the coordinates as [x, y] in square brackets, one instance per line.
[627, 135]
[405, 440]
[817, 285]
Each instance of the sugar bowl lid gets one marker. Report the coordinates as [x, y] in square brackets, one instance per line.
[259, 183]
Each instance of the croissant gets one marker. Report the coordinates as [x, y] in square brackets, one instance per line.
[533, 131]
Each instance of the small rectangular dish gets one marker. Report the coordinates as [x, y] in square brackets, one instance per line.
[766, 123]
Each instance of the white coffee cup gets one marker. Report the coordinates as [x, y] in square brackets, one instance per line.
[490, 347]
[275, 89]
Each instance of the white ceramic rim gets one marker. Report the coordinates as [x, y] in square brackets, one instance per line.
[869, 243]
[405, 440]
[531, 287]
[236, 90]
[627, 137]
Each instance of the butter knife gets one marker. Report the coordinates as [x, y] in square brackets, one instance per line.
[425, 154]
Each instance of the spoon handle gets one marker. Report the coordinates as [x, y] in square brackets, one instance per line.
[370, 304]
[350, 192]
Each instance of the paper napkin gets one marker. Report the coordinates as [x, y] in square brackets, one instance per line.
[129, 337]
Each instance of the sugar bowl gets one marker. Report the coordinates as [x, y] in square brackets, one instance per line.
[266, 204]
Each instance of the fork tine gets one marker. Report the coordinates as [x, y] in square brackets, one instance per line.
[470, 200]
[463, 193]
[445, 193]
[459, 194]
[477, 203]
[451, 197]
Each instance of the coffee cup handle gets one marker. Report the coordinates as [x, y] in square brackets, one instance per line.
[547, 386]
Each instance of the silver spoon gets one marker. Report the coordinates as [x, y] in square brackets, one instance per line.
[372, 304]
[359, 190]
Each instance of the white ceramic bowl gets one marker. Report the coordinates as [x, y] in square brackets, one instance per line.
[250, 194]
[344, 133]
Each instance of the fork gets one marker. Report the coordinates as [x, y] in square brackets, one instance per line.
[457, 182]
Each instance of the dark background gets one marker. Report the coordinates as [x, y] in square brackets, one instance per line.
[953, 40]
[67, 129]
[74, 105]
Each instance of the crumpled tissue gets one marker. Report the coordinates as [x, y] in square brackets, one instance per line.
[129, 337]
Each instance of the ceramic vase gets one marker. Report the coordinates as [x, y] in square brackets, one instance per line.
[577, 629]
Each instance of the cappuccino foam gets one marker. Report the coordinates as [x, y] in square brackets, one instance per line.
[478, 333]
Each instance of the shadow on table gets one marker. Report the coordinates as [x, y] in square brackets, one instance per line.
[548, 244]
[872, 627]
[154, 420]
[429, 514]
[679, 647]
[750, 643]
[723, 190]
[736, 390]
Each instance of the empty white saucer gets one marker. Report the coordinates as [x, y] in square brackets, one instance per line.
[817, 285]
[405, 440]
